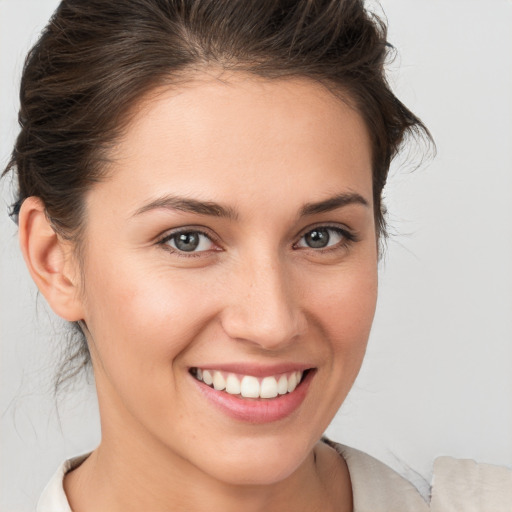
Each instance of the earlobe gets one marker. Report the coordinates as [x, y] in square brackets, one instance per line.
[49, 260]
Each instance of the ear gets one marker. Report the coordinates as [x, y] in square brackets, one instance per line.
[50, 260]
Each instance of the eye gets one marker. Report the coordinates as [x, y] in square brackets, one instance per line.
[323, 237]
[189, 241]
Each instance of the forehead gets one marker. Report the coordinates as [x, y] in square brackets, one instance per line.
[242, 134]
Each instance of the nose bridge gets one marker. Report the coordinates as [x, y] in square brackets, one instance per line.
[264, 307]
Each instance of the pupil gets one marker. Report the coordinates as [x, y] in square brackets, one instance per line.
[317, 238]
[187, 241]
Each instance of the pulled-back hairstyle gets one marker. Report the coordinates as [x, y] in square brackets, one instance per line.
[97, 58]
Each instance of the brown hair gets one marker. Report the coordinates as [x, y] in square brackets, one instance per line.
[96, 58]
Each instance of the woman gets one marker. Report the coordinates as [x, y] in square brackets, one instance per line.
[200, 192]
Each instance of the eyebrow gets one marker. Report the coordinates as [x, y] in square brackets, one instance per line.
[333, 203]
[185, 204]
[214, 209]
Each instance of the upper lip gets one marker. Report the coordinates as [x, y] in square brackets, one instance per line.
[256, 370]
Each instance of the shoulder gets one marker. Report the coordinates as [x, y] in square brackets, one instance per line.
[53, 498]
[376, 487]
[457, 485]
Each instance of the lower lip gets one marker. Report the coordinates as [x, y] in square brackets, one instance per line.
[262, 410]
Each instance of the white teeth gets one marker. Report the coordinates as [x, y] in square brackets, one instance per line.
[207, 378]
[292, 382]
[250, 387]
[268, 387]
[219, 383]
[232, 385]
[282, 385]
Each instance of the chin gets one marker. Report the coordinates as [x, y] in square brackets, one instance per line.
[254, 463]
[248, 473]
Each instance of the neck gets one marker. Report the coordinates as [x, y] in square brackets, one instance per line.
[119, 478]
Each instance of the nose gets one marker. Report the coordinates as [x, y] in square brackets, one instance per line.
[263, 305]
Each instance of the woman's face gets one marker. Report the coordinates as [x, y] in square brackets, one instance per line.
[234, 241]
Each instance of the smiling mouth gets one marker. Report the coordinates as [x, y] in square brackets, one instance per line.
[249, 386]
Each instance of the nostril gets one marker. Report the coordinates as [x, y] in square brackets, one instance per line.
[270, 329]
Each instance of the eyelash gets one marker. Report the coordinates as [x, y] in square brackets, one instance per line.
[348, 238]
[184, 254]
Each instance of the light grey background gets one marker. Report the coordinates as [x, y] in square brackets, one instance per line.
[437, 378]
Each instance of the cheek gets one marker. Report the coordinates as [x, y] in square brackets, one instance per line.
[341, 311]
[140, 303]
[345, 307]
[140, 319]
[141, 323]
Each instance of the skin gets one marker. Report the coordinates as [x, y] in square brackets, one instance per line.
[257, 294]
